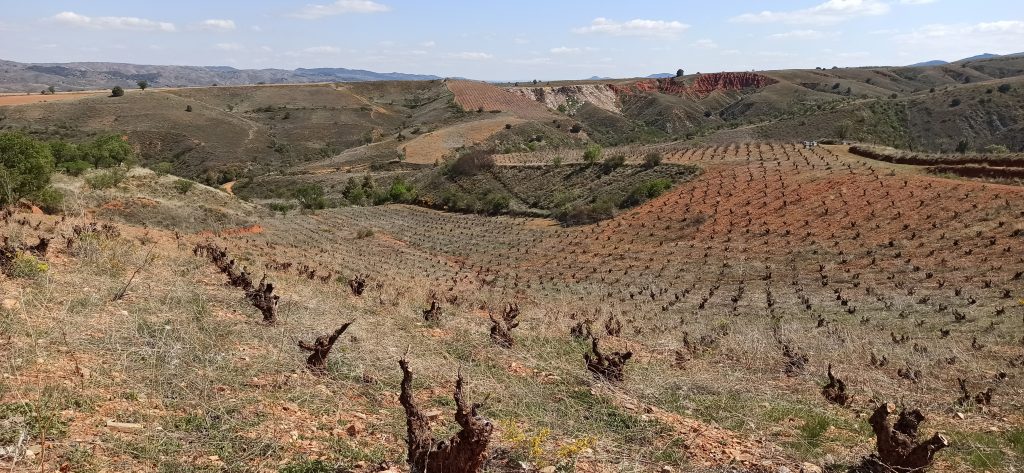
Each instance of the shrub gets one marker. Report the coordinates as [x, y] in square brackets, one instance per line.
[106, 179]
[401, 192]
[557, 162]
[117, 91]
[188, 108]
[583, 214]
[962, 146]
[26, 266]
[996, 149]
[652, 160]
[75, 168]
[1004, 88]
[592, 154]
[143, 85]
[25, 167]
[471, 163]
[50, 200]
[575, 128]
[646, 191]
[496, 203]
[613, 162]
[364, 233]
[108, 151]
[310, 196]
[183, 186]
[162, 168]
[954, 103]
[63, 151]
[282, 207]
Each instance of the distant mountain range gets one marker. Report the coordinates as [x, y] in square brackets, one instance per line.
[22, 77]
[939, 62]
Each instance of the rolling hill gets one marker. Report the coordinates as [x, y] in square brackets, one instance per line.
[22, 77]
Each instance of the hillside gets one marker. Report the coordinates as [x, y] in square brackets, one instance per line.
[22, 77]
[734, 292]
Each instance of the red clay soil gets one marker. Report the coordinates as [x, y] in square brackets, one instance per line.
[702, 86]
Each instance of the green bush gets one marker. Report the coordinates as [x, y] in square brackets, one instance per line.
[646, 191]
[50, 200]
[401, 192]
[162, 168]
[495, 203]
[557, 162]
[108, 151]
[310, 196]
[25, 167]
[282, 207]
[996, 149]
[183, 186]
[106, 179]
[75, 168]
[117, 91]
[26, 266]
[592, 154]
[64, 152]
[1004, 88]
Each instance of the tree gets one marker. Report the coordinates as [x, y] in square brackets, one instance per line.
[51, 89]
[143, 84]
[117, 91]
[679, 73]
[592, 154]
[107, 151]
[25, 167]
[962, 146]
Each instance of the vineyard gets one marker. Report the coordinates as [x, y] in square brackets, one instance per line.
[474, 96]
[708, 319]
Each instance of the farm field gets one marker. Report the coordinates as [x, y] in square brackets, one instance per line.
[734, 291]
[22, 99]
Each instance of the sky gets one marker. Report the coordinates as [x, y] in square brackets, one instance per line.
[511, 40]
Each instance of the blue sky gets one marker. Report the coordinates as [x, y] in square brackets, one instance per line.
[515, 40]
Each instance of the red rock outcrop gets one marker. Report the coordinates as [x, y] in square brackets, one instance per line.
[702, 86]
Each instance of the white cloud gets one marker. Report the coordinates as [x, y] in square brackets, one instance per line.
[428, 44]
[471, 56]
[917, 2]
[229, 46]
[641, 28]
[112, 22]
[999, 37]
[339, 7]
[798, 34]
[218, 25]
[830, 12]
[705, 44]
